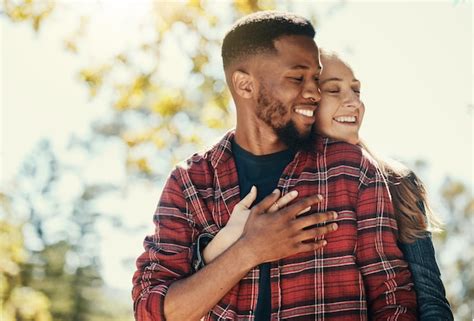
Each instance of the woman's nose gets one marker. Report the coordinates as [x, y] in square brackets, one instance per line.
[352, 100]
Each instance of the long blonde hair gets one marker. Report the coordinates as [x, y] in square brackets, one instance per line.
[412, 211]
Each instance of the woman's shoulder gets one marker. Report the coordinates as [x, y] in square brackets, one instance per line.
[355, 156]
[340, 151]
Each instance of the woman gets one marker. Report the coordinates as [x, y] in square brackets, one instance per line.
[339, 116]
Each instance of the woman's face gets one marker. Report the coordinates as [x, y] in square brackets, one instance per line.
[340, 112]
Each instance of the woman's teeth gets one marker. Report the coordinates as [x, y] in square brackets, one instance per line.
[346, 119]
[305, 112]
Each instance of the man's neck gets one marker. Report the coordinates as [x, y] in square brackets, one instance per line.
[258, 140]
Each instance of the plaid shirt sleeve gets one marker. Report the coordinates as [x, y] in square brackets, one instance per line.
[386, 276]
[168, 253]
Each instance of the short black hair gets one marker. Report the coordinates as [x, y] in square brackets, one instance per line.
[255, 33]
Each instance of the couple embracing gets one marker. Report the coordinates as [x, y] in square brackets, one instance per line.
[289, 216]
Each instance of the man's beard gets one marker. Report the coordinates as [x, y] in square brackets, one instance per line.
[271, 111]
[292, 138]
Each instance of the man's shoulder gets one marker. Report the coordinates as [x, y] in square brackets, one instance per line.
[198, 162]
[204, 162]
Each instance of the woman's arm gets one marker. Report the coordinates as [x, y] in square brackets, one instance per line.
[431, 295]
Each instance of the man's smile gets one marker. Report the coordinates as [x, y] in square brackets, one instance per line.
[305, 112]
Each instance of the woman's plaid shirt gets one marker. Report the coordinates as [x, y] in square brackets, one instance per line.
[359, 275]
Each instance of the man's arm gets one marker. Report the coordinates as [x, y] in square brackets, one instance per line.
[387, 280]
[166, 255]
[163, 284]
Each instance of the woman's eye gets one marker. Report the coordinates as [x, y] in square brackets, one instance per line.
[332, 91]
[356, 90]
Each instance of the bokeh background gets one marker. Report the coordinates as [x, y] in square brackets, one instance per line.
[99, 99]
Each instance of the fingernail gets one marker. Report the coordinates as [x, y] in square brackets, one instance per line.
[325, 242]
[334, 226]
[306, 209]
[275, 191]
[320, 197]
[293, 193]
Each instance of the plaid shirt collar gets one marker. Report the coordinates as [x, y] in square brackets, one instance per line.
[221, 158]
[222, 151]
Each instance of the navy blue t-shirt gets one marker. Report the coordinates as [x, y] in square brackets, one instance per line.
[263, 172]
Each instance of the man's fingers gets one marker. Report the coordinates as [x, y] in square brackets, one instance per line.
[247, 201]
[312, 233]
[311, 246]
[283, 201]
[304, 211]
[302, 205]
[320, 197]
[313, 219]
[267, 202]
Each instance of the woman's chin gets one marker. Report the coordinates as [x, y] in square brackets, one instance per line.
[351, 139]
[354, 140]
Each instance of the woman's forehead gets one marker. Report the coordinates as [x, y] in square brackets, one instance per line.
[334, 65]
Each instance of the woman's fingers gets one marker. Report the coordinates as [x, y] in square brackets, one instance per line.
[247, 201]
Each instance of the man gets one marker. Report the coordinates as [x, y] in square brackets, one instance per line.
[281, 268]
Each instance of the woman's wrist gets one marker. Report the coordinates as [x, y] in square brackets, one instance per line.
[223, 240]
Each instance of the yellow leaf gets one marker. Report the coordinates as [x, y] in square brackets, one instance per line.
[142, 165]
[168, 103]
[71, 46]
[158, 141]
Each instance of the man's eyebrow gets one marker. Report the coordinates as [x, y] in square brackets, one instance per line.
[303, 67]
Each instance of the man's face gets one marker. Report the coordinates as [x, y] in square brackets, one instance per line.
[288, 90]
[276, 115]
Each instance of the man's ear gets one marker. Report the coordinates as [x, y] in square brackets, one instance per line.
[243, 84]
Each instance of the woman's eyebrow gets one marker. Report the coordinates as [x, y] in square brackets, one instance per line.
[330, 79]
[337, 79]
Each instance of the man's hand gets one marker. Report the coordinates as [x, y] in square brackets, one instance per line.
[234, 228]
[272, 233]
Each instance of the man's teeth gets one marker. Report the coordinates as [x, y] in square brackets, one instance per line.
[346, 119]
[305, 112]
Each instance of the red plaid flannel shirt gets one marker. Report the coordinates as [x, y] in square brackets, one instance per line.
[359, 275]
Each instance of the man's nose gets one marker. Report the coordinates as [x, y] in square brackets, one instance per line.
[311, 92]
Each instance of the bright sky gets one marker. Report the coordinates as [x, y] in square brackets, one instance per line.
[414, 61]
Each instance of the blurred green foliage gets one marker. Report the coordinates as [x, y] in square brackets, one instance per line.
[18, 299]
[455, 246]
[55, 275]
